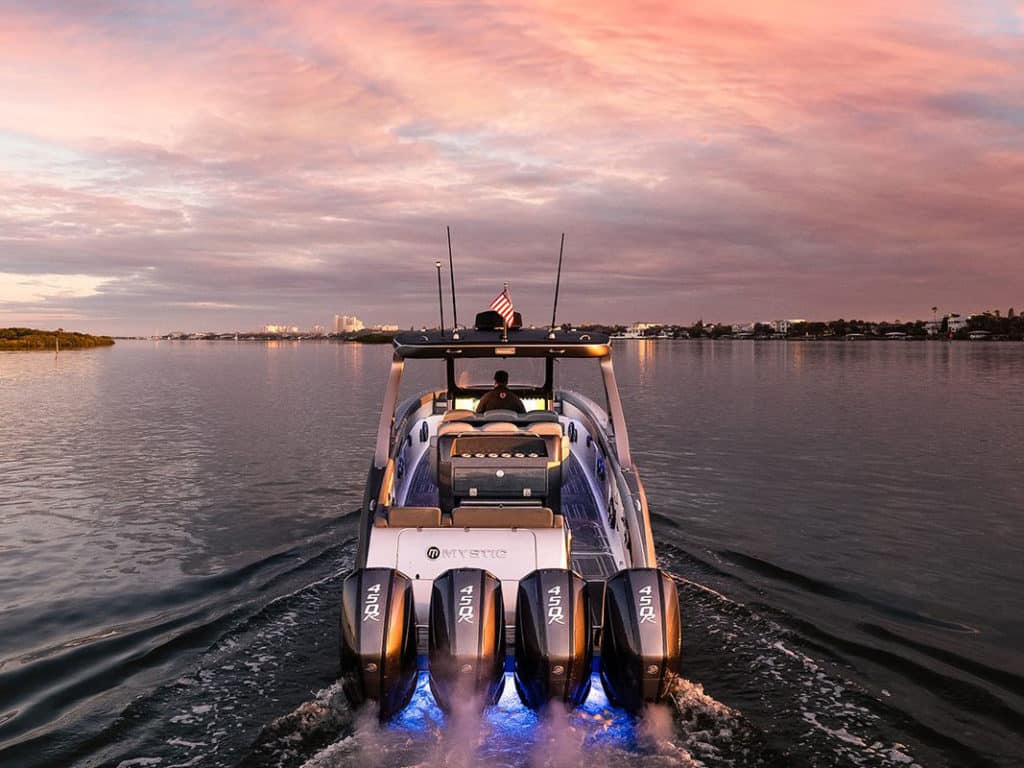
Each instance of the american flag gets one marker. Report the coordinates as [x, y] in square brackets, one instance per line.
[502, 304]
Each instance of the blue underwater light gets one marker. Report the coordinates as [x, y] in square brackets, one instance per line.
[422, 713]
[510, 721]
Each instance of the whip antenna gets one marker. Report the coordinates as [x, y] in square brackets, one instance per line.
[440, 298]
[558, 283]
[451, 271]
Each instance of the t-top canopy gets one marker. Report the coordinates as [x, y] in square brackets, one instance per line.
[520, 343]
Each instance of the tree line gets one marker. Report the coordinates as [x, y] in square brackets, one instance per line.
[32, 338]
[1000, 326]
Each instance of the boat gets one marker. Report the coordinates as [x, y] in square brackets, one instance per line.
[500, 547]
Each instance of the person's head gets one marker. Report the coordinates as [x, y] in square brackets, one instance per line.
[501, 378]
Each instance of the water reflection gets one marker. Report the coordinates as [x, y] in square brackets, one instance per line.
[850, 484]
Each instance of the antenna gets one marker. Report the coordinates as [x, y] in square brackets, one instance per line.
[440, 299]
[558, 283]
[451, 271]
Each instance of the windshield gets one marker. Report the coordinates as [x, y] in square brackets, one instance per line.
[478, 373]
[474, 376]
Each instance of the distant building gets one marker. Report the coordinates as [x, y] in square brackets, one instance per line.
[347, 324]
[386, 328]
[783, 326]
[957, 323]
[275, 328]
[932, 327]
[317, 330]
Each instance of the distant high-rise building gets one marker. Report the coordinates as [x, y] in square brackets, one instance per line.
[347, 324]
[317, 330]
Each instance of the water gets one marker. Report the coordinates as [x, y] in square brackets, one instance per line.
[176, 519]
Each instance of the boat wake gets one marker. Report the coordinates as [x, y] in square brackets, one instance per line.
[692, 730]
[266, 695]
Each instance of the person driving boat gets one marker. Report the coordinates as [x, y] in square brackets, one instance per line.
[501, 397]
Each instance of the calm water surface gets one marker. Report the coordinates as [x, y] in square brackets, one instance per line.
[175, 519]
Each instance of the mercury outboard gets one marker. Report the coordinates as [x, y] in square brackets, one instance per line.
[553, 652]
[378, 638]
[641, 640]
[467, 637]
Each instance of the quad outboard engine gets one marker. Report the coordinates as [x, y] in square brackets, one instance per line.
[553, 639]
[378, 638]
[467, 637]
[641, 640]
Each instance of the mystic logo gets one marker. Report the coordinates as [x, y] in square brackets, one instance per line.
[646, 605]
[466, 554]
[555, 615]
[465, 605]
[371, 605]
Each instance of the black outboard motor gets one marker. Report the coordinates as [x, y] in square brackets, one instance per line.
[553, 639]
[467, 637]
[642, 639]
[378, 638]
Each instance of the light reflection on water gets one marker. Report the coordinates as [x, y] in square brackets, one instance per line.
[510, 722]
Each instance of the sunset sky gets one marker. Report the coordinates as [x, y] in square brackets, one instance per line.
[220, 165]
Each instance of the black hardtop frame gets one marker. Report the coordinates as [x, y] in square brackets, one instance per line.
[519, 343]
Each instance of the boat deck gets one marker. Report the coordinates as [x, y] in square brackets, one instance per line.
[591, 552]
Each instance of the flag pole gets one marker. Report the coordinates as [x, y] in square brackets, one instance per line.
[504, 322]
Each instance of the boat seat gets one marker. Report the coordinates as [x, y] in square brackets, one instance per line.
[558, 444]
[454, 428]
[498, 414]
[545, 428]
[502, 427]
[458, 415]
[412, 517]
[533, 417]
[501, 415]
[505, 517]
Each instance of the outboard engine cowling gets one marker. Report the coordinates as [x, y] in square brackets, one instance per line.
[378, 638]
[641, 640]
[467, 637]
[553, 653]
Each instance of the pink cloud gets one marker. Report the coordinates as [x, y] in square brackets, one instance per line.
[725, 145]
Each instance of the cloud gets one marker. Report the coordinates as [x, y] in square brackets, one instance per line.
[222, 164]
[34, 288]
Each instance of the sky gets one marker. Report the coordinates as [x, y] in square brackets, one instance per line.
[222, 164]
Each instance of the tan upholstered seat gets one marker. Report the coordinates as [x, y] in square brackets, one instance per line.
[502, 427]
[454, 428]
[545, 428]
[503, 517]
[458, 414]
[558, 444]
[414, 517]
